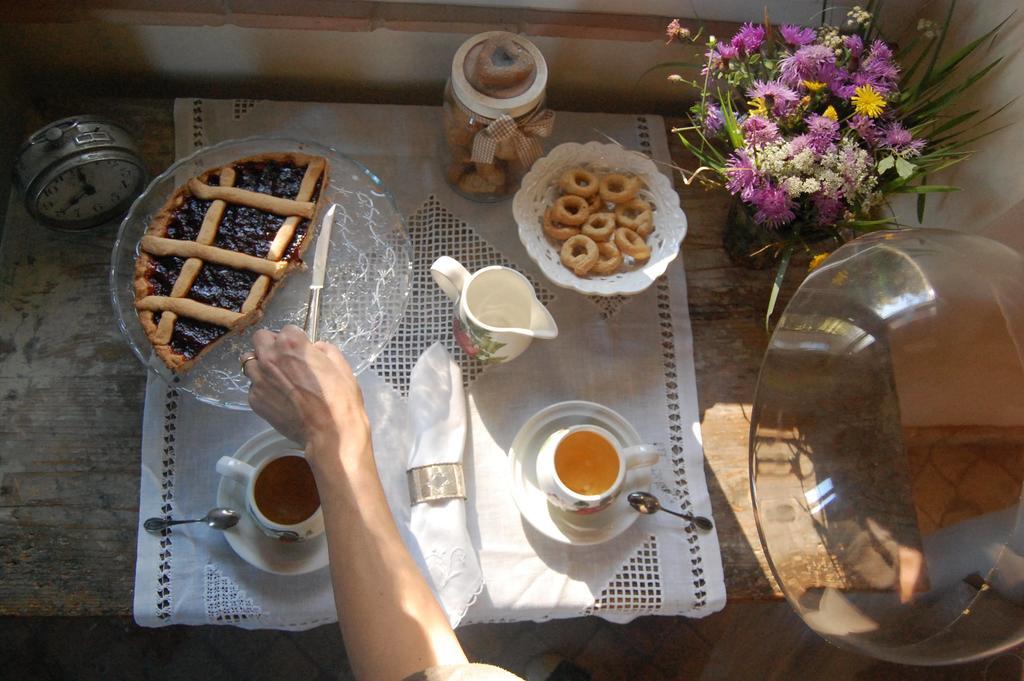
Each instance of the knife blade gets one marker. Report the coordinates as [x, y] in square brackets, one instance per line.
[323, 245]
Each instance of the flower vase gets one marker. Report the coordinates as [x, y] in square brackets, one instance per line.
[745, 241]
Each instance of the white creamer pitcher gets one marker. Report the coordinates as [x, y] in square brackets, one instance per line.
[497, 313]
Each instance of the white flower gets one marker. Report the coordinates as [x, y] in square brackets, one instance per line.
[793, 186]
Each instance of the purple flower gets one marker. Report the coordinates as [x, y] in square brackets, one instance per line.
[821, 132]
[841, 85]
[713, 120]
[743, 176]
[774, 207]
[719, 57]
[866, 128]
[898, 139]
[759, 131]
[777, 97]
[878, 70]
[882, 76]
[811, 62]
[749, 38]
[880, 50]
[854, 44]
[727, 52]
[797, 36]
[829, 207]
[799, 143]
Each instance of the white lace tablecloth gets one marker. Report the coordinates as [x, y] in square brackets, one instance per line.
[633, 355]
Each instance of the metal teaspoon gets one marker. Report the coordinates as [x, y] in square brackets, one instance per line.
[648, 504]
[217, 518]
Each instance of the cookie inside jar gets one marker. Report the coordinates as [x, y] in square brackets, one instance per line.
[494, 116]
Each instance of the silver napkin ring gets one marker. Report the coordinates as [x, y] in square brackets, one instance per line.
[436, 481]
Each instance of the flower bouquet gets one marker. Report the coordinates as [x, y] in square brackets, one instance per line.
[813, 128]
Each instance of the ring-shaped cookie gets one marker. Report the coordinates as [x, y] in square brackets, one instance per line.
[597, 204]
[619, 188]
[609, 258]
[636, 215]
[600, 226]
[556, 231]
[579, 254]
[502, 62]
[579, 182]
[571, 210]
[632, 244]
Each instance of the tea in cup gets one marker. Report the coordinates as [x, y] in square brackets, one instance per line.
[280, 494]
[582, 469]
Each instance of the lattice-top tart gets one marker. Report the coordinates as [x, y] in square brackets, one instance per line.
[214, 254]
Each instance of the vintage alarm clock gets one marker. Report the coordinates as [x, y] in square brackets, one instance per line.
[79, 172]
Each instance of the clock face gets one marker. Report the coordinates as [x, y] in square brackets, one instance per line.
[90, 192]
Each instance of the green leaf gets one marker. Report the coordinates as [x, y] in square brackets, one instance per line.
[708, 156]
[780, 274]
[953, 122]
[927, 78]
[940, 140]
[921, 198]
[931, 107]
[926, 189]
[904, 168]
[729, 118]
[964, 52]
[886, 163]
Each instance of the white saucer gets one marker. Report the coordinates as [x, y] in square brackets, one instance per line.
[248, 540]
[568, 528]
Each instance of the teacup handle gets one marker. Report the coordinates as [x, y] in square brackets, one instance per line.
[450, 275]
[640, 456]
[236, 470]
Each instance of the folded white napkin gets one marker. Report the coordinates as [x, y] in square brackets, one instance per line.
[437, 416]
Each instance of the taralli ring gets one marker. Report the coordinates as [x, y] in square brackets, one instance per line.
[571, 210]
[579, 182]
[247, 357]
[609, 258]
[636, 215]
[556, 231]
[599, 226]
[579, 254]
[618, 188]
[632, 244]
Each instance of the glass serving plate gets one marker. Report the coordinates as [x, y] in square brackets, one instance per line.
[369, 272]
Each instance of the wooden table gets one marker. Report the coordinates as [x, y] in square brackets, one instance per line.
[71, 395]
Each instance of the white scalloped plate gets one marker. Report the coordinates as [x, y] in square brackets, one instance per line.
[540, 189]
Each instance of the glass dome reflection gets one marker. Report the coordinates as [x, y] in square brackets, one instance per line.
[887, 447]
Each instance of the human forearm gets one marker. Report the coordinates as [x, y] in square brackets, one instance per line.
[391, 622]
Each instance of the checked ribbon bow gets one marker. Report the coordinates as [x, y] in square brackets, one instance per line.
[524, 137]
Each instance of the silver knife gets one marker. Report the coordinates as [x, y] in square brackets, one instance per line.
[323, 245]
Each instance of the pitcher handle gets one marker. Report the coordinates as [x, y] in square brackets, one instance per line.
[450, 275]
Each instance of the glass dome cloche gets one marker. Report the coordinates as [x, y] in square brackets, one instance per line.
[887, 447]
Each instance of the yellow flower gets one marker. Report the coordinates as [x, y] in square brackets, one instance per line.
[817, 260]
[814, 85]
[805, 100]
[867, 101]
[830, 112]
[758, 107]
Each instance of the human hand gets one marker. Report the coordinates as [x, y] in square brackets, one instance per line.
[306, 391]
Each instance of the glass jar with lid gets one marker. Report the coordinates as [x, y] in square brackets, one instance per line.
[494, 115]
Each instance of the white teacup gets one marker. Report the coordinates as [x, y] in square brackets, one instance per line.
[278, 495]
[582, 469]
